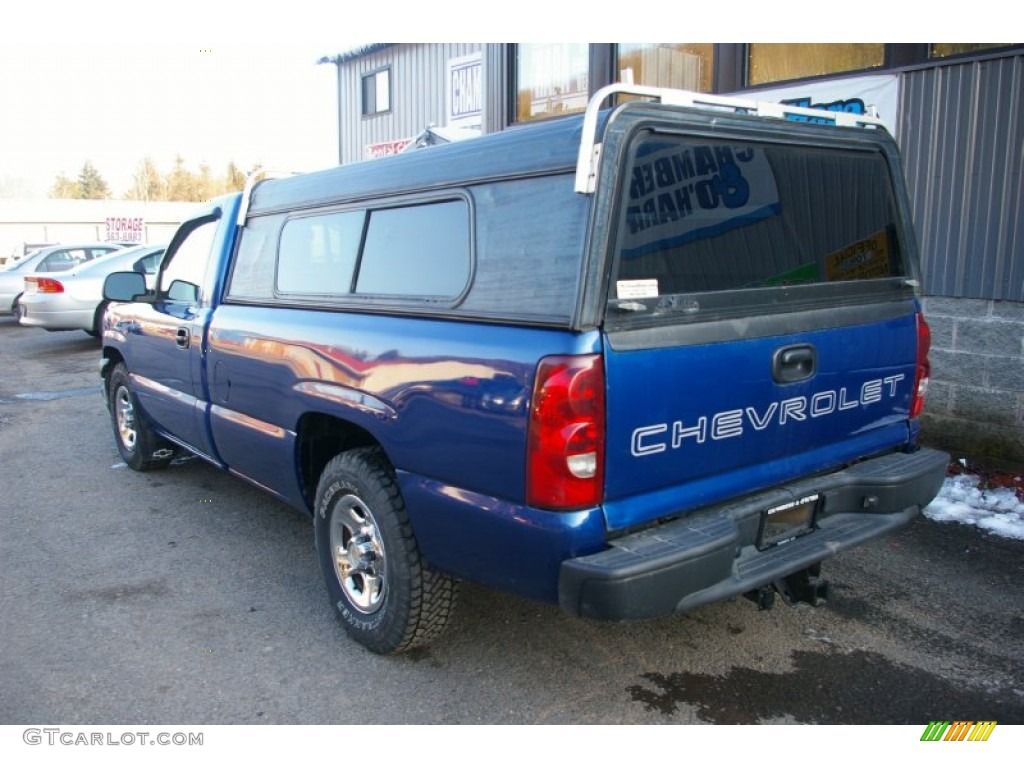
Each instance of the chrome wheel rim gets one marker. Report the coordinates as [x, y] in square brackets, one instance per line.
[125, 413]
[357, 554]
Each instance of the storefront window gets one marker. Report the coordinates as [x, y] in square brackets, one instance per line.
[688, 66]
[772, 62]
[940, 50]
[552, 79]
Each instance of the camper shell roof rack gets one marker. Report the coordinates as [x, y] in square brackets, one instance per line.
[590, 148]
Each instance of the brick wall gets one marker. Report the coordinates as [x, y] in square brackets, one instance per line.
[975, 405]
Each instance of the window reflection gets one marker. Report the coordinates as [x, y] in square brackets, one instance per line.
[688, 66]
[552, 79]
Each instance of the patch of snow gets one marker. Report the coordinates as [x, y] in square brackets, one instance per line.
[997, 511]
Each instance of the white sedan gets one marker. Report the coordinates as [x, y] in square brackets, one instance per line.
[52, 258]
[74, 299]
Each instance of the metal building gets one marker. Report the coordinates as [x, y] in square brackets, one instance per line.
[957, 111]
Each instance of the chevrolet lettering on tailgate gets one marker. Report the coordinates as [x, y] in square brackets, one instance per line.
[657, 438]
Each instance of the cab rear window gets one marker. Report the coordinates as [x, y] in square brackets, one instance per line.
[700, 216]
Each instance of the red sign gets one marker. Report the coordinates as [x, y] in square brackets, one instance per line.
[386, 148]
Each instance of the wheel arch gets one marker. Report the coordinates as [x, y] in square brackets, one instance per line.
[319, 438]
[108, 362]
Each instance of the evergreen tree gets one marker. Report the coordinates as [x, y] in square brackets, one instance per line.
[92, 186]
[234, 180]
[181, 183]
[205, 186]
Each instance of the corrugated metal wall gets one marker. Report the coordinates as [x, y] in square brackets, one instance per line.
[962, 136]
[418, 73]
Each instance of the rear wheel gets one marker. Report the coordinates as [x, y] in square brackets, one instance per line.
[140, 447]
[386, 595]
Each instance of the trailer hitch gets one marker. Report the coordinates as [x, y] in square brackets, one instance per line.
[803, 586]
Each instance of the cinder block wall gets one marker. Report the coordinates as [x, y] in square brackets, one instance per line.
[976, 402]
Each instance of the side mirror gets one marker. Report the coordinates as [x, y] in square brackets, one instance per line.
[124, 286]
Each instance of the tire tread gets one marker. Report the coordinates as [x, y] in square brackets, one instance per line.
[432, 595]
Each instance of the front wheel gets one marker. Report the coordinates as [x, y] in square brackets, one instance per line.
[140, 447]
[386, 596]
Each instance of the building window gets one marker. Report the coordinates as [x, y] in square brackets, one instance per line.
[688, 66]
[941, 50]
[552, 79]
[377, 92]
[772, 62]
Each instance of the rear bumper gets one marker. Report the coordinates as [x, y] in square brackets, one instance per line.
[711, 554]
[56, 317]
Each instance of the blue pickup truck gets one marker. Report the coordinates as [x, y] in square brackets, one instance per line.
[630, 362]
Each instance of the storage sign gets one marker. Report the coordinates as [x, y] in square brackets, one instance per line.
[125, 229]
[683, 193]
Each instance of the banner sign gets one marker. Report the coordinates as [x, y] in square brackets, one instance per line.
[686, 192]
[864, 95]
[125, 229]
[465, 91]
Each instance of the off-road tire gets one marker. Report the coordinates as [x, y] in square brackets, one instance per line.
[385, 594]
[140, 447]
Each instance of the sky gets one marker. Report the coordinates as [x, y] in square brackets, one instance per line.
[114, 81]
[114, 104]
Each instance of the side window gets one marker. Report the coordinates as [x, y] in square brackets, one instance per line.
[420, 250]
[60, 261]
[184, 273]
[318, 253]
[49, 263]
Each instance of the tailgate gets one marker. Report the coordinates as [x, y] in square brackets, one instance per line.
[761, 321]
[696, 424]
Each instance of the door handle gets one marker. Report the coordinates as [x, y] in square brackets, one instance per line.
[791, 364]
[183, 338]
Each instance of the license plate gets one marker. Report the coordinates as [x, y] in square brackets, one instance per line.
[787, 521]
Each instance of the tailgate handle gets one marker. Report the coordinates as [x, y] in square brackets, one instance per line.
[791, 364]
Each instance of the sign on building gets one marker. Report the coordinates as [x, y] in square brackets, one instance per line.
[385, 148]
[465, 92]
[863, 95]
[125, 229]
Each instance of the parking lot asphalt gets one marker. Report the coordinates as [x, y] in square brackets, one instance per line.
[187, 596]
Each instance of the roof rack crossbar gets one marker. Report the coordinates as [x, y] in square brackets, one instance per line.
[590, 148]
[251, 181]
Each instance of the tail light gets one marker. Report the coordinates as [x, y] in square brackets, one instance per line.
[565, 444]
[923, 368]
[45, 284]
